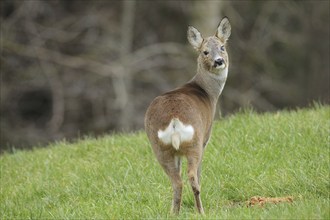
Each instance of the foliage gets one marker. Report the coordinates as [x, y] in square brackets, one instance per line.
[117, 176]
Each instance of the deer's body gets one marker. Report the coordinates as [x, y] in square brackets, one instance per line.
[178, 123]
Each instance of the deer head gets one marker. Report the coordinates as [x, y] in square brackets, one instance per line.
[213, 56]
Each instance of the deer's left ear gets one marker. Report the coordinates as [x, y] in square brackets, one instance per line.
[224, 29]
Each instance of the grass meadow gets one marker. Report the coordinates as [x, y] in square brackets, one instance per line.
[117, 176]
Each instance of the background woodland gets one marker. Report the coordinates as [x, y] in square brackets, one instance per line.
[74, 68]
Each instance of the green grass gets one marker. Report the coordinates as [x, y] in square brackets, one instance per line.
[118, 177]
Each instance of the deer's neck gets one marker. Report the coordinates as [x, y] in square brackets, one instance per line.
[212, 83]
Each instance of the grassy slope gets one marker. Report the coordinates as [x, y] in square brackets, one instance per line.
[118, 177]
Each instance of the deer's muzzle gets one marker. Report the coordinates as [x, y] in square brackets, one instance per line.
[219, 63]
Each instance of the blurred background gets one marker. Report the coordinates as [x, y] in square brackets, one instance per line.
[75, 68]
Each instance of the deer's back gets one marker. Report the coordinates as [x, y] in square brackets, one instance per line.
[189, 103]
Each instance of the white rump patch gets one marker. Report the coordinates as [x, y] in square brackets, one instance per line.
[176, 133]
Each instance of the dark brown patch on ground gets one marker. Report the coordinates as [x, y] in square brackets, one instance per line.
[261, 201]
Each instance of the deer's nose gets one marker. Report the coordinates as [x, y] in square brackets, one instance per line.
[219, 62]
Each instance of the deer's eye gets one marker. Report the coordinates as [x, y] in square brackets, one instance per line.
[222, 48]
[205, 52]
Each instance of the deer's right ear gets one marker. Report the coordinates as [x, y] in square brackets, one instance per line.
[194, 37]
[224, 29]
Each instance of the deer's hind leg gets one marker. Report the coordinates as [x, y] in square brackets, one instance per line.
[194, 163]
[172, 167]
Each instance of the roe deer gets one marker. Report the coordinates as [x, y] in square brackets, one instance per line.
[178, 123]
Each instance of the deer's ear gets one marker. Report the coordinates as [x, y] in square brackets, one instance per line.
[224, 29]
[194, 37]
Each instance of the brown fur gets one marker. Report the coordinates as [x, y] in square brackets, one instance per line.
[193, 104]
[181, 103]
